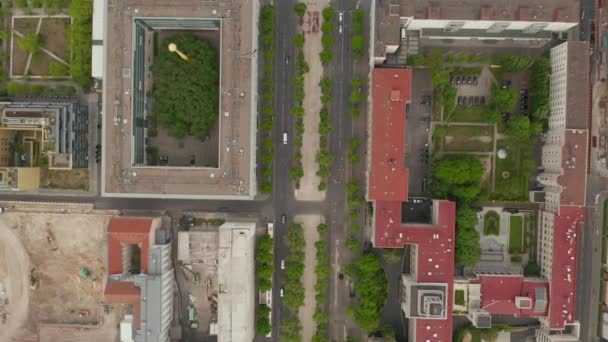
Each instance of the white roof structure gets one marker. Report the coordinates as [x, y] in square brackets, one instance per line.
[236, 298]
[99, 19]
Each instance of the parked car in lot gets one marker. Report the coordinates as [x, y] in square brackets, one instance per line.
[483, 100]
[459, 100]
[474, 80]
[505, 84]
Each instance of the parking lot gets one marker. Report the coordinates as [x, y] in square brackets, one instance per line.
[417, 133]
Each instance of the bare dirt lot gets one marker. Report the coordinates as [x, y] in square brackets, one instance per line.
[54, 32]
[56, 247]
[75, 179]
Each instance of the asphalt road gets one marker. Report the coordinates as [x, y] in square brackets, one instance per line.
[282, 200]
[589, 253]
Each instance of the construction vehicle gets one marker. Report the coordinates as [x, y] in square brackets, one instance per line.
[196, 278]
[86, 274]
[34, 281]
[50, 239]
[192, 316]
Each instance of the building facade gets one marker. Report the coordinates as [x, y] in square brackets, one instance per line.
[407, 24]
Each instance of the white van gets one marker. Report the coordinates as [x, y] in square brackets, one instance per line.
[284, 138]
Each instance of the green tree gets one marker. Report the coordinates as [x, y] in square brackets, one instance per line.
[264, 258]
[328, 13]
[30, 42]
[502, 100]
[466, 217]
[291, 329]
[357, 44]
[353, 244]
[300, 8]
[358, 17]
[263, 323]
[457, 177]
[80, 43]
[186, 93]
[322, 229]
[539, 88]
[468, 249]
[298, 40]
[371, 288]
[57, 69]
[296, 172]
[326, 56]
[519, 127]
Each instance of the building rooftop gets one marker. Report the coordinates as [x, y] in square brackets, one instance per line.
[577, 89]
[130, 225]
[236, 282]
[124, 61]
[129, 230]
[563, 283]
[391, 90]
[499, 295]
[504, 10]
[574, 167]
[435, 254]
[388, 23]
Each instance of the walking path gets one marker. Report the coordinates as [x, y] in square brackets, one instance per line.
[42, 49]
[308, 190]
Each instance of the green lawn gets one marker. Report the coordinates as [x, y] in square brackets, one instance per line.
[512, 173]
[516, 234]
[459, 297]
[468, 114]
[468, 139]
[491, 223]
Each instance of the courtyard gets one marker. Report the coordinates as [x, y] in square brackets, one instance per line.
[39, 47]
[482, 107]
[506, 238]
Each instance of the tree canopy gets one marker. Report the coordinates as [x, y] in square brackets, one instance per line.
[300, 8]
[457, 177]
[371, 288]
[30, 42]
[263, 324]
[264, 262]
[186, 92]
[468, 250]
[503, 100]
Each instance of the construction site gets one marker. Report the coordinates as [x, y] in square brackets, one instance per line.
[216, 281]
[52, 275]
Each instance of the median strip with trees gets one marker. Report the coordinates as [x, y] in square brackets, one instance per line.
[291, 328]
[266, 121]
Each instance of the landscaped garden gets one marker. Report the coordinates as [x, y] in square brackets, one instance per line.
[40, 47]
[516, 234]
[491, 223]
[463, 138]
[459, 297]
[517, 126]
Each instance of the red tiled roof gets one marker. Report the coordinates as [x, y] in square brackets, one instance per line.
[391, 89]
[125, 224]
[131, 231]
[119, 292]
[498, 294]
[574, 165]
[565, 242]
[388, 180]
[435, 255]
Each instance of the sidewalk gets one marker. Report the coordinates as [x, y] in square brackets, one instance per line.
[308, 190]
